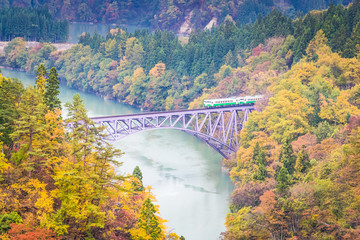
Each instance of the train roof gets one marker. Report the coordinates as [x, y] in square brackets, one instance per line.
[220, 98]
[232, 98]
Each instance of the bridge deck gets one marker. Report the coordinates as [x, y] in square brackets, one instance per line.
[211, 125]
[174, 112]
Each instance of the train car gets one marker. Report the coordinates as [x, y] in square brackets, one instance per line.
[220, 102]
[232, 101]
[248, 99]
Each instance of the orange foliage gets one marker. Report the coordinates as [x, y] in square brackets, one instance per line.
[24, 232]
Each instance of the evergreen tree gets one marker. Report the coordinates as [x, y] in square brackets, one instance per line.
[302, 161]
[256, 152]
[283, 179]
[137, 173]
[51, 98]
[287, 156]
[260, 173]
[82, 136]
[149, 222]
[261, 158]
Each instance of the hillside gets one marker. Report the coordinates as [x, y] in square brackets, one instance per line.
[171, 14]
[297, 171]
[154, 71]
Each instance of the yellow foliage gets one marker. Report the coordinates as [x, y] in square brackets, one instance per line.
[138, 73]
[338, 111]
[40, 84]
[158, 70]
[286, 116]
[4, 165]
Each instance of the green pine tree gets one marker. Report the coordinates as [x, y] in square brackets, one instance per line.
[287, 156]
[148, 220]
[137, 173]
[283, 179]
[51, 95]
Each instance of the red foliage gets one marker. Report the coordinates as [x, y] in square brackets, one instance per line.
[262, 67]
[256, 51]
[354, 123]
[307, 140]
[323, 150]
[24, 232]
[35, 49]
[249, 194]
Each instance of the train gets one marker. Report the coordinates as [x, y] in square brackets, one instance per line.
[232, 101]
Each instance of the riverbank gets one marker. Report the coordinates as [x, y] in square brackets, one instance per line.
[31, 44]
[184, 172]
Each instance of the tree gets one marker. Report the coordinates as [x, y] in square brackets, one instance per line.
[302, 161]
[10, 95]
[287, 156]
[24, 232]
[51, 94]
[86, 179]
[137, 173]
[316, 44]
[15, 53]
[149, 223]
[29, 127]
[7, 219]
[82, 136]
[40, 82]
[283, 180]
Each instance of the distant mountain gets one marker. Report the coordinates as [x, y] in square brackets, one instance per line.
[178, 15]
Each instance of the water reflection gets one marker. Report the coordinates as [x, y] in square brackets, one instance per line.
[76, 29]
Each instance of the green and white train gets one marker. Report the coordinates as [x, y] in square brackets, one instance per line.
[232, 101]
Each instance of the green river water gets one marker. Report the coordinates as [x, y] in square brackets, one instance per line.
[185, 173]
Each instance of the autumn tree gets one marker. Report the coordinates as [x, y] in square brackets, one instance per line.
[86, 179]
[10, 95]
[28, 127]
[41, 80]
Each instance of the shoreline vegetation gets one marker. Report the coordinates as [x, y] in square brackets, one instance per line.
[155, 71]
[57, 184]
[297, 171]
[34, 44]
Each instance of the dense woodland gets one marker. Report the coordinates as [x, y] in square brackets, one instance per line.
[155, 71]
[32, 25]
[59, 184]
[297, 172]
[170, 14]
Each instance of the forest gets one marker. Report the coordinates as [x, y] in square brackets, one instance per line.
[170, 14]
[60, 184]
[296, 174]
[32, 24]
[155, 71]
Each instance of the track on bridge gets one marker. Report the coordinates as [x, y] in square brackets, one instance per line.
[218, 127]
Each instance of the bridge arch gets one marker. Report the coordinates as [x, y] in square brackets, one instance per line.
[217, 127]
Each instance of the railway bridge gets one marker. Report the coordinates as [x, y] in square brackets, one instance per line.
[218, 127]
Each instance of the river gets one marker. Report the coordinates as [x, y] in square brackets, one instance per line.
[185, 173]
